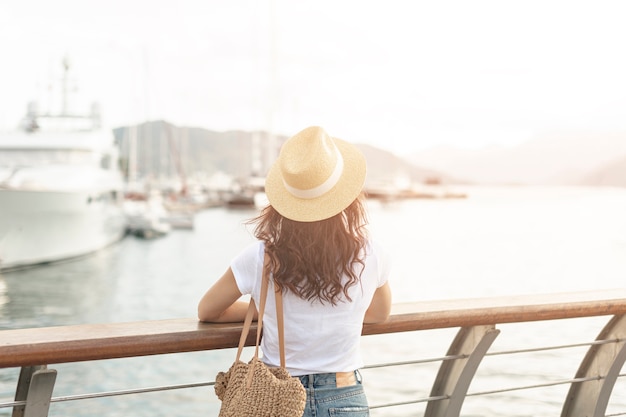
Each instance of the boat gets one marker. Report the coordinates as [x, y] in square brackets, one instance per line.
[246, 193]
[146, 225]
[387, 191]
[180, 219]
[60, 187]
[146, 215]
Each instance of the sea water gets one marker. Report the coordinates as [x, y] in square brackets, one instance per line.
[498, 241]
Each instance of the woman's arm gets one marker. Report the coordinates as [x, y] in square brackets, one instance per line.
[380, 307]
[220, 304]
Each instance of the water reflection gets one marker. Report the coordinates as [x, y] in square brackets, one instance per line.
[71, 292]
[4, 298]
[132, 280]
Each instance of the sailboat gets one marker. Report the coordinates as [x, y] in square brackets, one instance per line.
[248, 191]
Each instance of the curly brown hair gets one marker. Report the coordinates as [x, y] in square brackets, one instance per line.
[311, 259]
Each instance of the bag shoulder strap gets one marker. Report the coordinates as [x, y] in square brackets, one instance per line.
[250, 313]
[278, 294]
[246, 328]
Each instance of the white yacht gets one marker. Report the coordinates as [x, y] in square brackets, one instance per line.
[61, 188]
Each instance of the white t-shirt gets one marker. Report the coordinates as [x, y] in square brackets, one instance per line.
[319, 338]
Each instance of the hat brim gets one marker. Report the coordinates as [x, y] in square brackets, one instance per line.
[332, 202]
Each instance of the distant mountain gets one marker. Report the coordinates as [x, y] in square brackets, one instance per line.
[386, 167]
[613, 174]
[164, 150]
[556, 158]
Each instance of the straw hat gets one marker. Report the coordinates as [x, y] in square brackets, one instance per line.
[315, 176]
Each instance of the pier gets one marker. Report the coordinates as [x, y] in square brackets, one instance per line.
[478, 322]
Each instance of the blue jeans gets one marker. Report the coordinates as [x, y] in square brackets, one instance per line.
[324, 399]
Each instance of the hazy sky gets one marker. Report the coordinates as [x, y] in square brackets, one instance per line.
[398, 74]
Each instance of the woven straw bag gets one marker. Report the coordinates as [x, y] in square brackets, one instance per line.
[254, 389]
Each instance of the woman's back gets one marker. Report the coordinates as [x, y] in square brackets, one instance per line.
[319, 336]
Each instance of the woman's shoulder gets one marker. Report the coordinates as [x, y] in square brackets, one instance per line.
[247, 267]
[256, 247]
[373, 247]
[254, 250]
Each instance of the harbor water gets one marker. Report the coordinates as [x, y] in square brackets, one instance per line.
[498, 241]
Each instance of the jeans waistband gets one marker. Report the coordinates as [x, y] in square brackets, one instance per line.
[334, 379]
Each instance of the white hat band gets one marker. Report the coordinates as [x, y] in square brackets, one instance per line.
[321, 189]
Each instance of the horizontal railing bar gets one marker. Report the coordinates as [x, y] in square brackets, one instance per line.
[555, 347]
[24, 347]
[525, 387]
[445, 397]
[439, 314]
[50, 345]
[130, 391]
[105, 394]
[116, 393]
[503, 352]
[417, 401]
[204, 384]
[415, 362]
[12, 404]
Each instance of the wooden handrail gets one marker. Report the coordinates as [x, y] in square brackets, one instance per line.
[50, 345]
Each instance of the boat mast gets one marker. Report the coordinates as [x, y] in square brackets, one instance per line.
[270, 152]
[66, 68]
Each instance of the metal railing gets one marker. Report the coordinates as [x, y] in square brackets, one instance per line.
[589, 388]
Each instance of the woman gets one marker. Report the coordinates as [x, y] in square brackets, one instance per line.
[332, 277]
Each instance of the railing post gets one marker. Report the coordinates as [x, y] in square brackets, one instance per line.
[35, 386]
[603, 363]
[455, 375]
